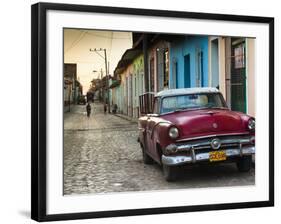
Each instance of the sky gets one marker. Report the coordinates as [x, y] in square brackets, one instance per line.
[77, 45]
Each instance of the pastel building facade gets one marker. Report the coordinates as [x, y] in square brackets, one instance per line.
[189, 61]
[158, 62]
[232, 70]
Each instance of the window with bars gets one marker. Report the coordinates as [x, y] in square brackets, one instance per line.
[166, 68]
[239, 56]
[151, 66]
[175, 74]
[199, 69]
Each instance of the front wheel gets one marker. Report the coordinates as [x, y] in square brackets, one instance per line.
[244, 164]
[169, 172]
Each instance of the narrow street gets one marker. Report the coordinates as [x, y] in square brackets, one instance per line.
[101, 154]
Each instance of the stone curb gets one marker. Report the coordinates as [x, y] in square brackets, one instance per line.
[126, 117]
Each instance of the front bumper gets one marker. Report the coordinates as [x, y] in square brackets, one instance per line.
[175, 160]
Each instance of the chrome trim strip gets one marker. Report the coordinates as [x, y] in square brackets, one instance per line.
[180, 160]
[212, 136]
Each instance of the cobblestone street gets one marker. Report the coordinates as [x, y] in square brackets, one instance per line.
[101, 154]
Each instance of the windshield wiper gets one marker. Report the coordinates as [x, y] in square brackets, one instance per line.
[176, 110]
[217, 107]
[181, 109]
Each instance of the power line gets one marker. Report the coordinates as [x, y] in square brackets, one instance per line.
[75, 42]
[81, 62]
[102, 36]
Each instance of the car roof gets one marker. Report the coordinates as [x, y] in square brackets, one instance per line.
[183, 91]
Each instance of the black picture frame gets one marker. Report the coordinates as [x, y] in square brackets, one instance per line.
[39, 114]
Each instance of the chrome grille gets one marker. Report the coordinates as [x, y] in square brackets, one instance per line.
[226, 142]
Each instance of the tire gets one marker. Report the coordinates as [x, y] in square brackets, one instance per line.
[244, 164]
[146, 158]
[169, 172]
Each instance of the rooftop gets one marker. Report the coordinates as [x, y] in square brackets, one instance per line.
[183, 91]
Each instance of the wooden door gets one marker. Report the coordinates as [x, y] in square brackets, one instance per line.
[238, 75]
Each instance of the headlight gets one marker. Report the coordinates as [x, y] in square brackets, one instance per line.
[251, 124]
[173, 132]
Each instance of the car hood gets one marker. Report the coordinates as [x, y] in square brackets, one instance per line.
[207, 121]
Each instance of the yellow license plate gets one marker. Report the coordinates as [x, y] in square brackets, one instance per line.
[217, 156]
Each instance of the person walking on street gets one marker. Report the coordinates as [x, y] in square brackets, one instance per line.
[114, 110]
[88, 108]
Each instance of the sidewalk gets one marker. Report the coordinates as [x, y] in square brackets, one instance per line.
[123, 116]
[66, 108]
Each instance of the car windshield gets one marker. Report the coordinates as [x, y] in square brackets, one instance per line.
[192, 101]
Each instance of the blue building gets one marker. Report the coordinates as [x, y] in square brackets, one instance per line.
[189, 61]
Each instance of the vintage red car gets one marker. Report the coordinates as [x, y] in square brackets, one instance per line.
[194, 125]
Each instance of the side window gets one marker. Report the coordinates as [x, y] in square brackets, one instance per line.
[156, 106]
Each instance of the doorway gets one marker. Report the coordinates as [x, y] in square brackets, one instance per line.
[187, 71]
[238, 75]
[215, 63]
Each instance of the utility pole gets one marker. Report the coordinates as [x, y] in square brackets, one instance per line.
[145, 63]
[106, 71]
[107, 81]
